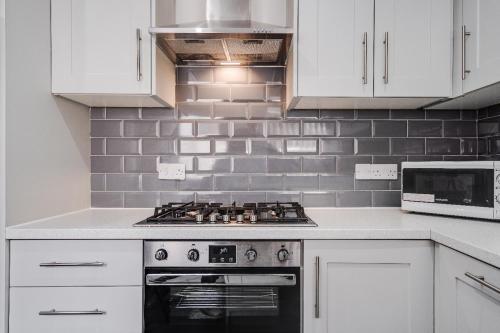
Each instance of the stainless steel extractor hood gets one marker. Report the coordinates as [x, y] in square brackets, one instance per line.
[213, 32]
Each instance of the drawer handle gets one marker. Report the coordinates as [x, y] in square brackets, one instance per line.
[54, 312]
[72, 264]
[483, 282]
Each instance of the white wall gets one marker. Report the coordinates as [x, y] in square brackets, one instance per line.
[47, 137]
[3, 245]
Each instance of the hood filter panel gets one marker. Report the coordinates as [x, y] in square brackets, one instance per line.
[217, 50]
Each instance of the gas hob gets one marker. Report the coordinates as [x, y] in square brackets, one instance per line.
[216, 214]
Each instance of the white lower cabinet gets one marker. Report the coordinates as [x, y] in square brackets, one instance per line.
[466, 298]
[376, 286]
[77, 286]
[76, 310]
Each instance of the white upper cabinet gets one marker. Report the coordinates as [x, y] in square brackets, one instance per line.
[413, 48]
[102, 52]
[482, 43]
[335, 48]
[353, 286]
[374, 48]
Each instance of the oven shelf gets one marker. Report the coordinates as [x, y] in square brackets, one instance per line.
[226, 298]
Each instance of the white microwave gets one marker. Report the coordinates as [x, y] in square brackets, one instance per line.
[465, 188]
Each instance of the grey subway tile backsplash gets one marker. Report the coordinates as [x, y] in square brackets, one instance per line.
[140, 164]
[249, 164]
[425, 128]
[140, 128]
[195, 147]
[231, 182]
[252, 149]
[214, 164]
[122, 113]
[141, 199]
[354, 128]
[106, 164]
[284, 164]
[158, 146]
[390, 128]
[106, 199]
[371, 146]
[172, 129]
[97, 146]
[116, 146]
[207, 129]
[266, 182]
[98, 182]
[267, 147]
[283, 128]
[301, 146]
[231, 147]
[122, 182]
[248, 129]
[105, 128]
[319, 128]
[150, 182]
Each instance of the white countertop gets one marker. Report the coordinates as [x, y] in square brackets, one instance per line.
[476, 238]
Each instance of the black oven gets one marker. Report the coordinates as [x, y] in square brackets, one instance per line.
[205, 295]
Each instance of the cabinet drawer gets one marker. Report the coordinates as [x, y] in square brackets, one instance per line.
[76, 310]
[466, 270]
[76, 263]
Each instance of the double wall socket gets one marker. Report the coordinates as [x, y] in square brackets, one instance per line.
[171, 171]
[376, 171]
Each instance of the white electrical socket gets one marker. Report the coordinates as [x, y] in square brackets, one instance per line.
[171, 171]
[377, 171]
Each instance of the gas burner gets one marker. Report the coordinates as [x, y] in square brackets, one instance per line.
[217, 214]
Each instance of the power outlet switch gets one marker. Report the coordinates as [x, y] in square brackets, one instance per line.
[377, 171]
[172, 171]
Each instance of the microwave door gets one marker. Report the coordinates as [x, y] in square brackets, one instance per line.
[465, 187]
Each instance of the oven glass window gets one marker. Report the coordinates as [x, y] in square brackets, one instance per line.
[236, 309]
[467, 187]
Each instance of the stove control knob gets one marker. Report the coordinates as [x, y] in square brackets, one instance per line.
[283, 255]
[498, 179]
[161, 254]
[194, 255]
[497, 198]
[251, 255]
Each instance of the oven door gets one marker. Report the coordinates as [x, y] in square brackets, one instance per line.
[463, 187]
[210, 300]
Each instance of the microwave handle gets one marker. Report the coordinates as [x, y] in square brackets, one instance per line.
[221, 279]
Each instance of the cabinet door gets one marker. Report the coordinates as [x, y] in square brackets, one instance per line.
[480, 18]
[413, 43]
[464, 305]
[335, 49]
[96, 47]
[368, 286]
[76, 310]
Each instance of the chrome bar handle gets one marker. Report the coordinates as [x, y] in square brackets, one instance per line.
[316, 305]
[386, 57]
[139, 58]
[54, 312]
[365, 58]
[483, 282]
[465, 34]
[72, 264]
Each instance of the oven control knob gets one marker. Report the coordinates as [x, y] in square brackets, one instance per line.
[161, 254]
[497, 198]
[194, 255]
[283, 255]
[498, 179]
[251, 255]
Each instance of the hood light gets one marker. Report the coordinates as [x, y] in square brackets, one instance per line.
[230, 63]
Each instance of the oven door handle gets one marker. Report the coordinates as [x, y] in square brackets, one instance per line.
[210, 279]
